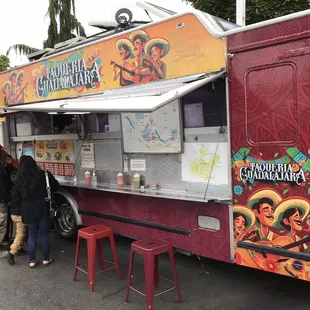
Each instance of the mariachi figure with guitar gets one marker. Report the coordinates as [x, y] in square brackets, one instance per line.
[269, 220]
[13, 89]
[141, 59]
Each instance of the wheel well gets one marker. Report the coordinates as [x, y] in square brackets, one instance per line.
[62, 196]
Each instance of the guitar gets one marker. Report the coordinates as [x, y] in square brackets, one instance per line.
[130, 74]
[21, 92]
[275, 247]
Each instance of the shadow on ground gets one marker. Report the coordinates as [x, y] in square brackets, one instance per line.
[205, 284]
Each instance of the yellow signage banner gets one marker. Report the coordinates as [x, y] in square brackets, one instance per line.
[171, 49]
[54, 151]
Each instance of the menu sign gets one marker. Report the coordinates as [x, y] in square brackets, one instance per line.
[88, 156]
[55, 156]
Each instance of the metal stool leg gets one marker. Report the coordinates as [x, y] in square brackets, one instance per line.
[112, 241]
[91, 251]
[132, 255]
[156, 273]
[100, 253]
[175, 275]
[77, 258]
[149, 280]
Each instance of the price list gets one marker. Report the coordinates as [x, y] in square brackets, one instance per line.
[58, 169]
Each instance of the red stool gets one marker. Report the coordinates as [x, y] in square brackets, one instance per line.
[94, 236]
[150, 249]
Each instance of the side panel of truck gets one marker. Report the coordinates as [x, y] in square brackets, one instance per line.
[175, 220]
[270, 138]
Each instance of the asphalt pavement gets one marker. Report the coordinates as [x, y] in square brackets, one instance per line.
[205, 284]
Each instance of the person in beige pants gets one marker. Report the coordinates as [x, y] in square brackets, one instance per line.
[15, 210]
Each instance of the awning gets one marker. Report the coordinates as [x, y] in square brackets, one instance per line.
[142, 98]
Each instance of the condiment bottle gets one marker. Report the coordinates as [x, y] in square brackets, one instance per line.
[120, 180]
[87, 178]
[136, 180]
[94, 179]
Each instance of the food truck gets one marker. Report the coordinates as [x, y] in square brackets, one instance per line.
[190, 128]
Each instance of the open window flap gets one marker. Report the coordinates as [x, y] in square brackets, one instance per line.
[136, 99]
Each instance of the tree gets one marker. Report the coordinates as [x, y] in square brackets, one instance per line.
[61, 14]
[4, 63]
[256, 10]
[64, 12]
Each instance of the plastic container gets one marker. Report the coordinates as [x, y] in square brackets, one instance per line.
[94, 179]
[87, 178]
[120, 180]
[128, 179]
[136, 181]
[75, 180]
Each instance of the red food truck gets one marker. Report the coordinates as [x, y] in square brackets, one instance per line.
[190, 129]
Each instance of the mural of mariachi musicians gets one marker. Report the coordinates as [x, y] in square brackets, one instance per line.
[156, 49]
[126, 70]
[263, 204]
[7, 91]
[21, 89]
[244, 220]
[141, 59]
[272, 210]
[14, 89]
[289, 217]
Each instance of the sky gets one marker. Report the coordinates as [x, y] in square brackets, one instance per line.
[25, 23]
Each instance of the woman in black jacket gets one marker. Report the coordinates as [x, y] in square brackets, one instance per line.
[31, 191]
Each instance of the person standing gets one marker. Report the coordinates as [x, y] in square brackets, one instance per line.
[4, 198]
[31, 191]
[15, 212]
[9, 170]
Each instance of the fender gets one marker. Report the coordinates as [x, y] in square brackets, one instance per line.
[73, 204]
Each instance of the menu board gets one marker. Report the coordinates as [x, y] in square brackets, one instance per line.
[88, 156]
[58, 169]
[55, 156]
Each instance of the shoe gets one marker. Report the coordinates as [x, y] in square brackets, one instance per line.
[34, 263]
[47, 262]
[10, 258]
[21, 252]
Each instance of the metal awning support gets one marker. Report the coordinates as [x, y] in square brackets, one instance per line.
[145, 98]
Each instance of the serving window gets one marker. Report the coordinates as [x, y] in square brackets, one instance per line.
[205, 106]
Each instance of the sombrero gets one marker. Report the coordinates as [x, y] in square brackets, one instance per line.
[264, 193]
[164, 43]
[247, 213]
[19, 75]
[13, 73]
[290, 203]
[140, 33]
[127, 43]
[7, 83]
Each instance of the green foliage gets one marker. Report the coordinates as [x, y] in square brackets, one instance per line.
[4, 63]
[61, 14]
[62, 11]
[21, 49]
[256, 10]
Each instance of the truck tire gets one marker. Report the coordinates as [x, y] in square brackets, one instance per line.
[67, 224]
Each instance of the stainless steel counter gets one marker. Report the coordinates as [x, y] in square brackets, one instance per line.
[159, 193]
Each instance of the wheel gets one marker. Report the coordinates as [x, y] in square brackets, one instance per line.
[66, 225]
